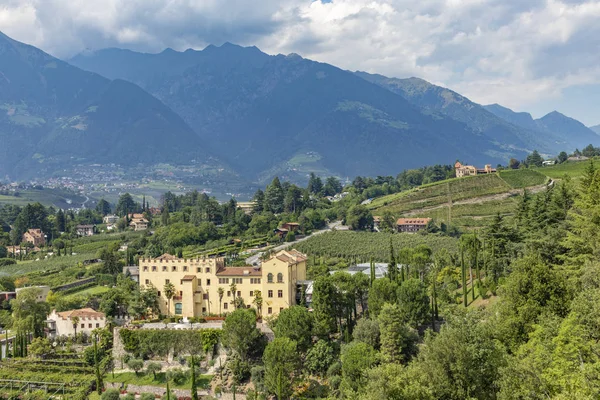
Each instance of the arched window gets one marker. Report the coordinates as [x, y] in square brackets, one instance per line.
[174, 268]
[270, 278]
[185, 268]
[279, 277]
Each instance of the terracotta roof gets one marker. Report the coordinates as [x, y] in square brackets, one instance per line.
[290, 256]
[239, 271]
[413, 221]
[188, 278]
[83, 312]
[167, 256]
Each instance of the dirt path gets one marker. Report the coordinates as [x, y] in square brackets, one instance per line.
[481, 199]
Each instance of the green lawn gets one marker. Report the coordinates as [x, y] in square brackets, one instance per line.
[147, 379]
[573, 169]
[92, 291]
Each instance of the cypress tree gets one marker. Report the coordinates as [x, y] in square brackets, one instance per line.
[6, 345]
[372, 266]
[392, 269]
[25, 345]
[99, 383]
[464, 274]
[194, 388]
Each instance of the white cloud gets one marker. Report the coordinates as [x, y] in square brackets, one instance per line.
[511, 52]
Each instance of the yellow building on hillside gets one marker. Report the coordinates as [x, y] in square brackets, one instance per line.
[197, 282]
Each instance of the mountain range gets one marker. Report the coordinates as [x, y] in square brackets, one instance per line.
[53, 115]
[256, 114]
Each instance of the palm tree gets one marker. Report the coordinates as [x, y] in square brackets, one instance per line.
[169, 289]
[233, 288]
[75, 321]
[221, 292]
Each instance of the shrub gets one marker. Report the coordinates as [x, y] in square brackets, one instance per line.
[135, 364]
[147, 396]
[129, 396]
[178, 376]
[6, 261]
[111, 394]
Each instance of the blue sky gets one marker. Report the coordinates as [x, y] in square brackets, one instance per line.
[529, 55]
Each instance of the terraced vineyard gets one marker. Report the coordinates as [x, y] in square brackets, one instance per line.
[361, 246]
[59, 379]
[467, 203]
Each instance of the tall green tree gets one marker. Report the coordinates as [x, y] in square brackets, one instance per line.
[295, 323]
[239, 332]
[281, 361]
[274, 196]
[103, 207]
[397, 339]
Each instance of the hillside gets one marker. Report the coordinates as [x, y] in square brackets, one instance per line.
[474, 200]
[596, 128]
[554, 128]
[289, 112]
[54, 115]
[447, 102]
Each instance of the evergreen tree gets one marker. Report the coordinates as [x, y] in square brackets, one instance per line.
[259, 201]
[274, 196]
[60, 221]
[315, 184]
[392, 267]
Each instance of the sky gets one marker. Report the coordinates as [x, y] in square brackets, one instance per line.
[529, 55]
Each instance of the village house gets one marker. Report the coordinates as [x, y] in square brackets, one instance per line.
[412, 225]
[198, 280]
[34, 236]
[376, 221]
[85, 230]
[110, 219]
[40, 295]
[246, 206]
[70, 323]
[138, 222]
[470, 170]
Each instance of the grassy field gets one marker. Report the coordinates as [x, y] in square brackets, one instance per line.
[523, 178]
[48, 197]
[148, 379]
[572, 169]
[93, 291]
[361, 246]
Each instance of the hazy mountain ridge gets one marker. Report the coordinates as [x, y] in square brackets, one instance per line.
[552, 126]
[510, 131]
[266, 109]
[53, 114]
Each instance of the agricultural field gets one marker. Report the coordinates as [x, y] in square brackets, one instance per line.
[439, 193]
[66, 379]
[361, 246]
[573, 169]
[50, 264]
[472, 216]
[147, 379]
[92, 291]
[49, 197]
[522, 178]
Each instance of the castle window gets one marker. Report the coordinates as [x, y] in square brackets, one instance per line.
[164, 267]
[174, 268]
[207, 270]
[154, 268]
[145, 269]
[280, 278]
[270, 278]
[280, 293]
[185, 268]
[270, 293]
